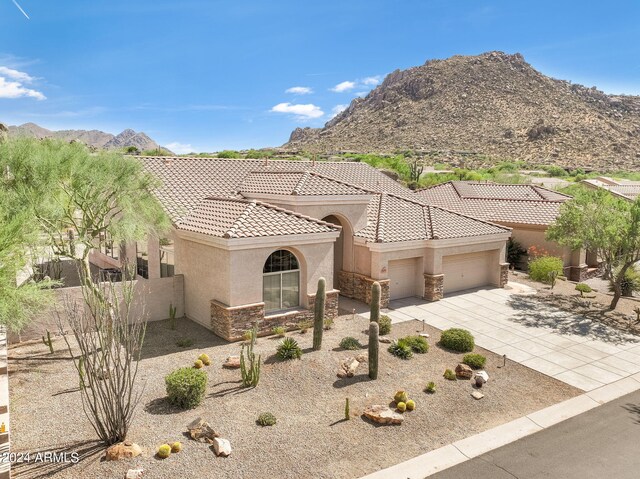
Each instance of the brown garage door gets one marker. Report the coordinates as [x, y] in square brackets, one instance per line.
[466, 271]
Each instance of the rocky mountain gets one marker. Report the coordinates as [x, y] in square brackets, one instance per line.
[481, 109]
[94, 138]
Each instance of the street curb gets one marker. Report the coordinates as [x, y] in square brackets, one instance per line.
[450, 455]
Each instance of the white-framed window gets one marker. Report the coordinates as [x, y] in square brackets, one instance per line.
[142, 259]
[281, 281]
[108, 246]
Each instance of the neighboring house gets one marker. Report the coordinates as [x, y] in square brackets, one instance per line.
[251, 238]
[629, 190]
[527, 209]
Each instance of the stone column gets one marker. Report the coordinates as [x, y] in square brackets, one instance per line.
[433, 287]
[504, 274]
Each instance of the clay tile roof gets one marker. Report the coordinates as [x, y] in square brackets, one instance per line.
[241, 218]
[303, 183]
[518, 204]
[186, 181]
[393, 219]
[631, 191]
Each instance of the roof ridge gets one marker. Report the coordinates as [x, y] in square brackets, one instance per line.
[301, 182]
[379, 219]
[231, 232]
[469, 217]
[426, 212]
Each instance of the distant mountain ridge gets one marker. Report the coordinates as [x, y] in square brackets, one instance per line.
[485, 108]
[93, 138]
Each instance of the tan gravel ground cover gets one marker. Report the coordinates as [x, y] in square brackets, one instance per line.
[594, 305]
[311, 438]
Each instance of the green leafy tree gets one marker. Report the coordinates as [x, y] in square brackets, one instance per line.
[607, 225]
[69, 192]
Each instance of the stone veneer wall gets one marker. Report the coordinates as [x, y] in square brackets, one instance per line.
[230, 322]
[433, 287]
[358, 286]
[504, 274]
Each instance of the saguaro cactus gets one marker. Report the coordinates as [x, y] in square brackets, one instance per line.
[48, 342]
[374, 348]
[375, 302]
[318, 314]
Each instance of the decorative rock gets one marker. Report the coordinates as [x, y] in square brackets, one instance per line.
[222, 447]
[463, 371]
[362, 358]
[483, 375]
[134, 473]
[123, 450]
[348, 368]
[382, 414]
[424, 335]
[200, 430]
[384, 339]
[477, 395]
[232, 362]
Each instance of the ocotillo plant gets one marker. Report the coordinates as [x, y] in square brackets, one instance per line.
[251, 372]
[374, 347]
[48, 342]
[375, 302]
[318, 314]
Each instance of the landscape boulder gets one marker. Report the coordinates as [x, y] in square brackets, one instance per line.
[463, 371]
[382, 414]
[232, 362]
[123, 450]
[483, 375]
[348, 368]
[200, 430]
[134, 474]
[222, 447]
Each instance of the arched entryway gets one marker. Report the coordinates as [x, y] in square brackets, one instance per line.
[341, 249]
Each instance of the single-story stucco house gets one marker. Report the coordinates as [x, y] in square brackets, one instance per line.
[251, 238]
[527, 209]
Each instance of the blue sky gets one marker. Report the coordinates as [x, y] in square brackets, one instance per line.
[210, 75]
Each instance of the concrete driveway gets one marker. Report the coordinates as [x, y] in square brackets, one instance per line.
[566, 346]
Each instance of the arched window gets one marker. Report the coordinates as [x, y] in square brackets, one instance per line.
[281, 281]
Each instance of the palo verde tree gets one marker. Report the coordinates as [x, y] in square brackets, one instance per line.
[605, 224]
[76, 198]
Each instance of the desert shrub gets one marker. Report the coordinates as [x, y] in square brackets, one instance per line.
[583, 288]
[456, 339]
[164, 451]
[305, 325]
[266, 419]
[350, 343]
[540, 268]
[431, 387]
[328, 323]
[289, 349]
[186, 387]
[401, 349]
[385, 325]
[228, 154]
[476, 361]
[279, 331]
[418, 344]
[630, 282]
[450, 375]
[515, 251]
[184, 342]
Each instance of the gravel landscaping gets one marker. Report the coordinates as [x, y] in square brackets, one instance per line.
[311, 437]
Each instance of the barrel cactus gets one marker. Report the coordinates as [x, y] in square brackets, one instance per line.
[164, 451]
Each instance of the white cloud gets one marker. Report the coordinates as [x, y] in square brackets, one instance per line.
[299, 90]
[14, 89]
[305, 112]
[15, 75]
[344, 86]
[338, 109]
[180, 148]
[371, 81]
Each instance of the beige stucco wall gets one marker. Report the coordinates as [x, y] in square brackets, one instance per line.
[528, 237]
[316, 261]
[206, 277]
